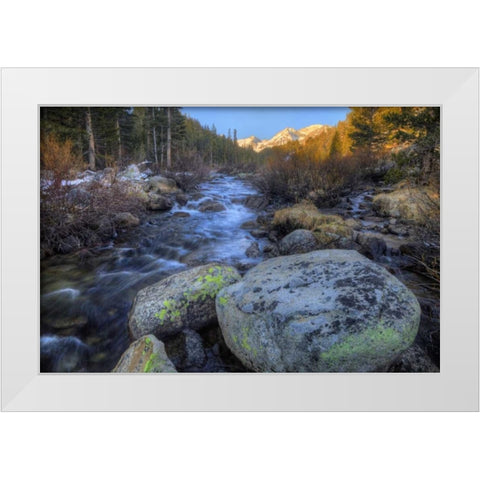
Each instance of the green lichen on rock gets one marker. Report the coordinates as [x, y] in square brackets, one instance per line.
[245, 344]
[154, 363]
[183, 300]
[170, 311]
[146, 355]
[206, 286]
[223, 300]
[350, 353]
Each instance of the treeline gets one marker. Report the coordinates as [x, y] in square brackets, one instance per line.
[392, 142]
[100, 137]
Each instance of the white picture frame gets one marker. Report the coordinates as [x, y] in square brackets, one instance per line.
[455, 388]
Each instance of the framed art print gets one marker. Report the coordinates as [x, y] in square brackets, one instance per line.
[240, 239]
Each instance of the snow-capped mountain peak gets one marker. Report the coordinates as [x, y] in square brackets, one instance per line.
[286, 135]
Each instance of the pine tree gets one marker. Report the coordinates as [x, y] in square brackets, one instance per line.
[366, 132]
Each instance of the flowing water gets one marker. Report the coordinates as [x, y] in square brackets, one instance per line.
[86, 296]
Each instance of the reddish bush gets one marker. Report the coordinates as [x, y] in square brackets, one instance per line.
[58, 158]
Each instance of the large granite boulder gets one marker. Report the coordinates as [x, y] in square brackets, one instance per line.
[180, 301]
[323, 311]
[146, 355]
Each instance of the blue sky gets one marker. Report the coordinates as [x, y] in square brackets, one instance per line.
[264, 122]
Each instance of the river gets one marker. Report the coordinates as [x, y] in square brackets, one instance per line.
[86, 296]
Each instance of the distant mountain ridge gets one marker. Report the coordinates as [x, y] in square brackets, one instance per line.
[281, 138]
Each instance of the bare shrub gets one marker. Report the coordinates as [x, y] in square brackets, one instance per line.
[69, 222]
[189, 170]
[295, 177]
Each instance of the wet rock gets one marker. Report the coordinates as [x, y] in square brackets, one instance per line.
[159, 202]
[211, 206]
[323, 311]
[400, 230]
[413, 360]
[181, 215]
[186, 351]
[299, 241]
[253, 251]
[197, 196]
[271, 250]
[256, 202]
[146, 355]
[126, 220]
[181, 199]
[273, 236]
[259, 233]
[372, 244]
[251, 224]
[183, 300]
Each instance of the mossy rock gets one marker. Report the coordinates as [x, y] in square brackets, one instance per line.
[323, 311]
[146, 355]
[183, 300]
